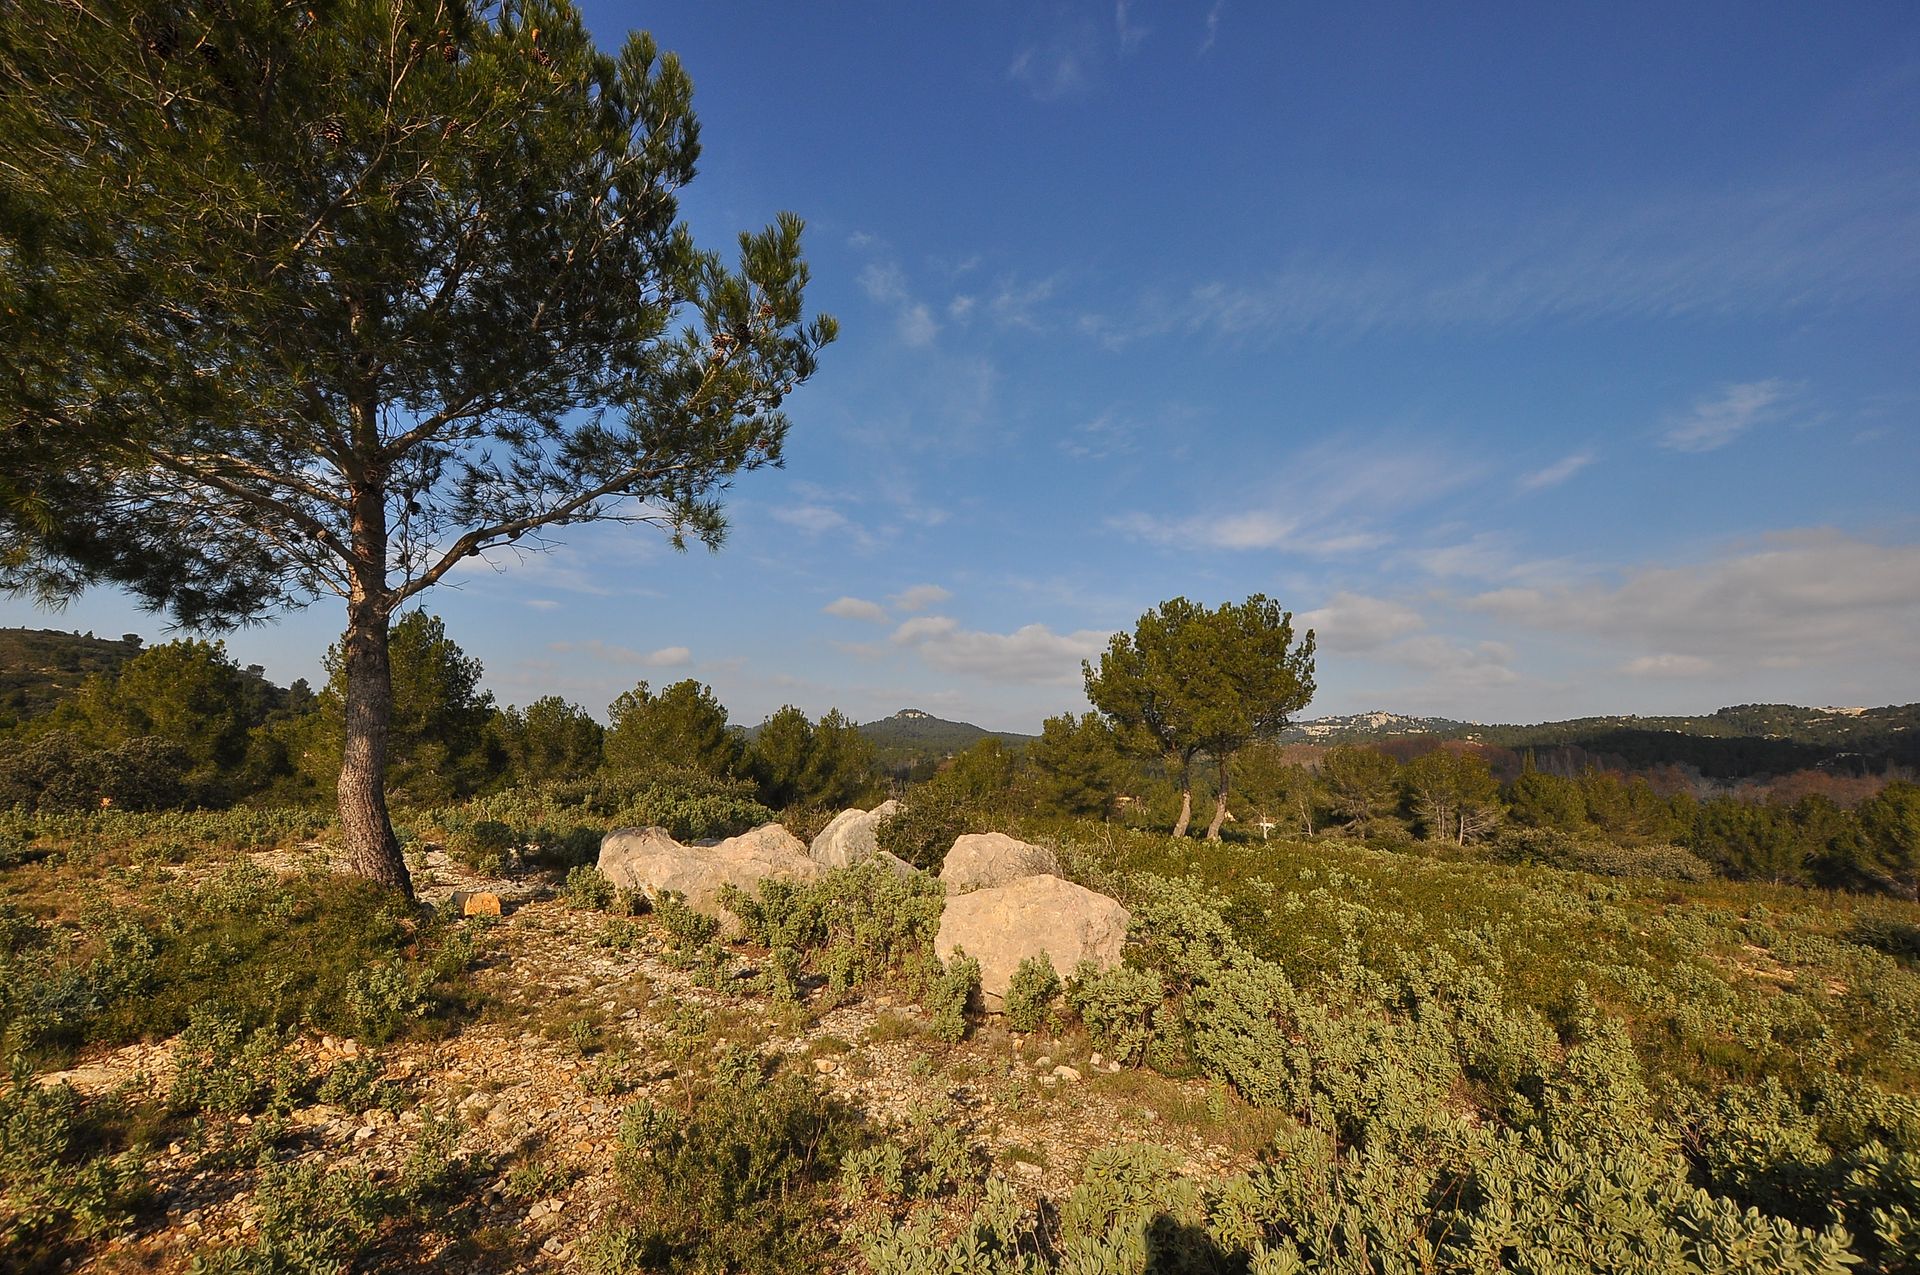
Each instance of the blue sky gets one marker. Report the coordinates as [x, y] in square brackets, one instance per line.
[1546, 360]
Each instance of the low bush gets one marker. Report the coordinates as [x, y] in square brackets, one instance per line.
[338, 954]
[1031, 993]
[1116, 1006]
[63, 1177]
[952, 998]
[588, 889]
[853, 925]
[736, 1177]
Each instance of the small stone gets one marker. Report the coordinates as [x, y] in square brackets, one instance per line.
[1114, 1067]
[1065, 1072]
[1026, 1168]
[1096, 1060]
[824, 1066]
[476, 902]
[349, 1048]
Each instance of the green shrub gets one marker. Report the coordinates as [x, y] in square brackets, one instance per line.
[338, 954]
[1117, 1007]
[223, 1068]
[58, 1183]
[690, 931]
[735, 1178]
[588, 889]
[485, 846]
[1031, 993]
[853, 924]
[311, 1221]
[952, 996]
[930, 817]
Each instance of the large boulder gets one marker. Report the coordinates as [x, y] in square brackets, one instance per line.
[648, 860]
[1003, 925]
[852, 837]
[981, 860]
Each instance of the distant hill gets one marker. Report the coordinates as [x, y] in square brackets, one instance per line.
[1743, 741]
[1355, 726]
[41, 667]
[913, 735]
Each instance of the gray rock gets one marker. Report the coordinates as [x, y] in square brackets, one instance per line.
[851, 837]
[648, 860]
[1003, 925]
[980, 860]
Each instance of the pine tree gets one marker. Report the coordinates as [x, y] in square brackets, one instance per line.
[324, 300]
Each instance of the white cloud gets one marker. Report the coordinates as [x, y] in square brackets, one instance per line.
[923, 628]
[919, 598]
[608, 653]
[1332, 500]
[811, 517]
[1769, 250]
[1717, 420]
[542, 604]
[1456, 666]
[886, 284]
[1053, 72]
[856, 609]
[1558, 472]
[1668, 665]
[1032, 654]
[1355, 622]
[1211, 30]
[1797, 598]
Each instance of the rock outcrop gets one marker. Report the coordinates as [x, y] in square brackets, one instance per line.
[852, 838]
[981, 860]
[1003, 925]
[648, 860]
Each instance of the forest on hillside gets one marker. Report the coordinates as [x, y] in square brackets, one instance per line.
[180, 726]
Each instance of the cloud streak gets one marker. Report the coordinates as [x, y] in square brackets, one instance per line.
[1031, 655]
[1792, 248]
[1558, 472]
[1797, 599]
[1719, 419]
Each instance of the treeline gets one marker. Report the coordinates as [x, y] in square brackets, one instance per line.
[180, 725]
[1451, 796]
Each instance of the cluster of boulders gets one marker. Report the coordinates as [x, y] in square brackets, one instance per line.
[1006, 901]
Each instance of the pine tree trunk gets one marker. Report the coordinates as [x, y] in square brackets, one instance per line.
[1219, 805]
[373, 850]
[1186, 806]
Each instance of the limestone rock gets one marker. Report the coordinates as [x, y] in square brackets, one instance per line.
[850, 838]
[648, 860]
[981, 860]
[1003, 925]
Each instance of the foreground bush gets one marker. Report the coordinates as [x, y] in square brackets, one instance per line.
[338, 954]
[736, 1177]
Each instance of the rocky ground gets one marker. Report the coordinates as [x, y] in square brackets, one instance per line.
[584, 1014]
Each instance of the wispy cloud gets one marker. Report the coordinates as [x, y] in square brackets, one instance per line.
[1030, 655]
[1790, 248]
[1718, 419]
[919, 597]
[1796, 599]
[1356, 622]
[608, 653]
[1337, 498]
[886, 284]
[1210, 29]
[856, 609]
[1558, 472]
